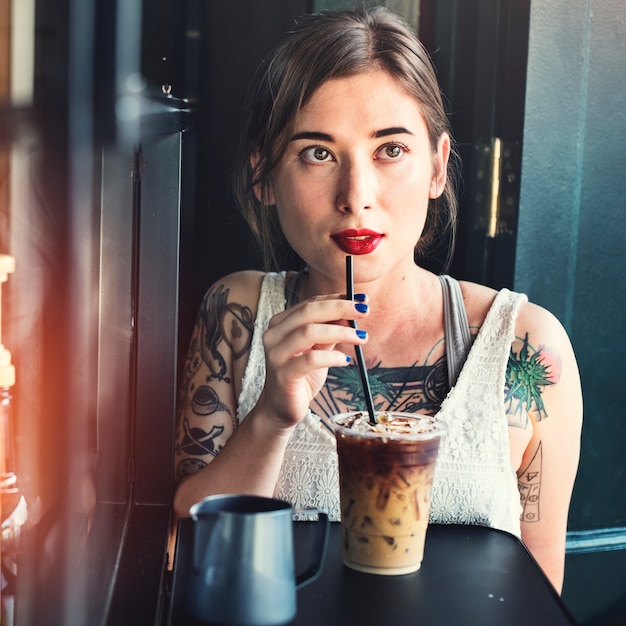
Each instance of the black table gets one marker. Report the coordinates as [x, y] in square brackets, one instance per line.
[470, 576]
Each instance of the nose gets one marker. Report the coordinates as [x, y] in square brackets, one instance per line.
[356, 187]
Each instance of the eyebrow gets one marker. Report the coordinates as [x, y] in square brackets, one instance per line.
[312, 135]
[317, 136]
[394, 130]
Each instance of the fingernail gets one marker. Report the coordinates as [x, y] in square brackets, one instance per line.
[359, 297]
[348, 358]
[361, 307]
[361, 334]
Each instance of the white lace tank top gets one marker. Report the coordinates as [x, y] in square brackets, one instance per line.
[474, 482]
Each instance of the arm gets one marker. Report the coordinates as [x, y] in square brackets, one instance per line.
[207, 410]
[543, 384]
[215, 454]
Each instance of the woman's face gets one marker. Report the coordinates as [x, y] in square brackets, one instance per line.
[357, 176]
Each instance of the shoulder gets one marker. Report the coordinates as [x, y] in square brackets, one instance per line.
[539, 332]
[532, 318]
[535, 322]
[225, 324]
[239, 288]
[542, 372]
[244, 285]
[477, 299]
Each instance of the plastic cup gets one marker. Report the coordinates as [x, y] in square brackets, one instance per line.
[385, 484]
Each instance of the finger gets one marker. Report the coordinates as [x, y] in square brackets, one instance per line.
[317, 310]
[283, 346]
[300, 366]
[292, 309]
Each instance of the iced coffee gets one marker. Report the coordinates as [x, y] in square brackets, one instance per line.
[385, 475]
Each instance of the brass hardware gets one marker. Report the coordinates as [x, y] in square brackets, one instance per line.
[494, 196]
[496, 190]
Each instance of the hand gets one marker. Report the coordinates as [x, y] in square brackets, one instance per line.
[300, 345]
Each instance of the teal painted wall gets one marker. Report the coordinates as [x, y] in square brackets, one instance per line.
[571, 258]
[572, 224]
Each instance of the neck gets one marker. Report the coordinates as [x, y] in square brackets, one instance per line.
[413, 292]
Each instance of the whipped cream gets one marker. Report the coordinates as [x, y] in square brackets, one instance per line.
[389, 424]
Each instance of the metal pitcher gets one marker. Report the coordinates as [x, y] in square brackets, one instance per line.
[243, 570]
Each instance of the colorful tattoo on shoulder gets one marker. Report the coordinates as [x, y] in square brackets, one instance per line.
[529, 483]
[528, 373]
[224, 322]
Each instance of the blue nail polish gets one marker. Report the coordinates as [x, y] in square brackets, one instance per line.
[361, 334]
[348, 358]
[359, 297]
[361, 307]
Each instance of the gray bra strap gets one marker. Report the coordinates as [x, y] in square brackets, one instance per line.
[457, 330]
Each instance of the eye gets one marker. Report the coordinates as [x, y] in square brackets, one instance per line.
[392, 151]
[316, 154]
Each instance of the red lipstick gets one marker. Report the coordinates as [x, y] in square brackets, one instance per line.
[357, 241]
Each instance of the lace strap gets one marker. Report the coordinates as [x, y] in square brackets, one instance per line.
[457, 330]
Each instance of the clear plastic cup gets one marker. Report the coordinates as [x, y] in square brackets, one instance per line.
[385, 476]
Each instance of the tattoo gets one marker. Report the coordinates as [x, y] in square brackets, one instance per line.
[189, 466]
[198, 442]
[226, 322]
[205, 401]
[220, 323]
[409, 389]
[195, 441]
[527, 375]
[529, 483]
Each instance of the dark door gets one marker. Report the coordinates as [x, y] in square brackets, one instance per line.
[480, 50]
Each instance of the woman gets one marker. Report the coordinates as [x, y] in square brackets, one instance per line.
[347, 150]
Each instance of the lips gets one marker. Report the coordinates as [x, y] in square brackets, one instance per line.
[357, 241]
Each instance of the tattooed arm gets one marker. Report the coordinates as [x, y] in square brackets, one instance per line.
[543, 399]
[211, 377]
[215, 454]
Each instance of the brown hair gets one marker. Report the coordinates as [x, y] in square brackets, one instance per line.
[322, 46]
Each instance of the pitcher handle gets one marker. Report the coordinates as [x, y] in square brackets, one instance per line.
[319, 550]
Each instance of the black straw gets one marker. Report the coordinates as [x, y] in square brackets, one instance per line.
[359, 352]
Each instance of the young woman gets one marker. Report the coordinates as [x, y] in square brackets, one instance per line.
[347, 150]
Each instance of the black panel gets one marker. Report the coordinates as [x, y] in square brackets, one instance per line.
[480, 49]
[156, 317]
[237, 34]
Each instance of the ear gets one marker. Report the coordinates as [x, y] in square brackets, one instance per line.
[265, 195]
[440, 166]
